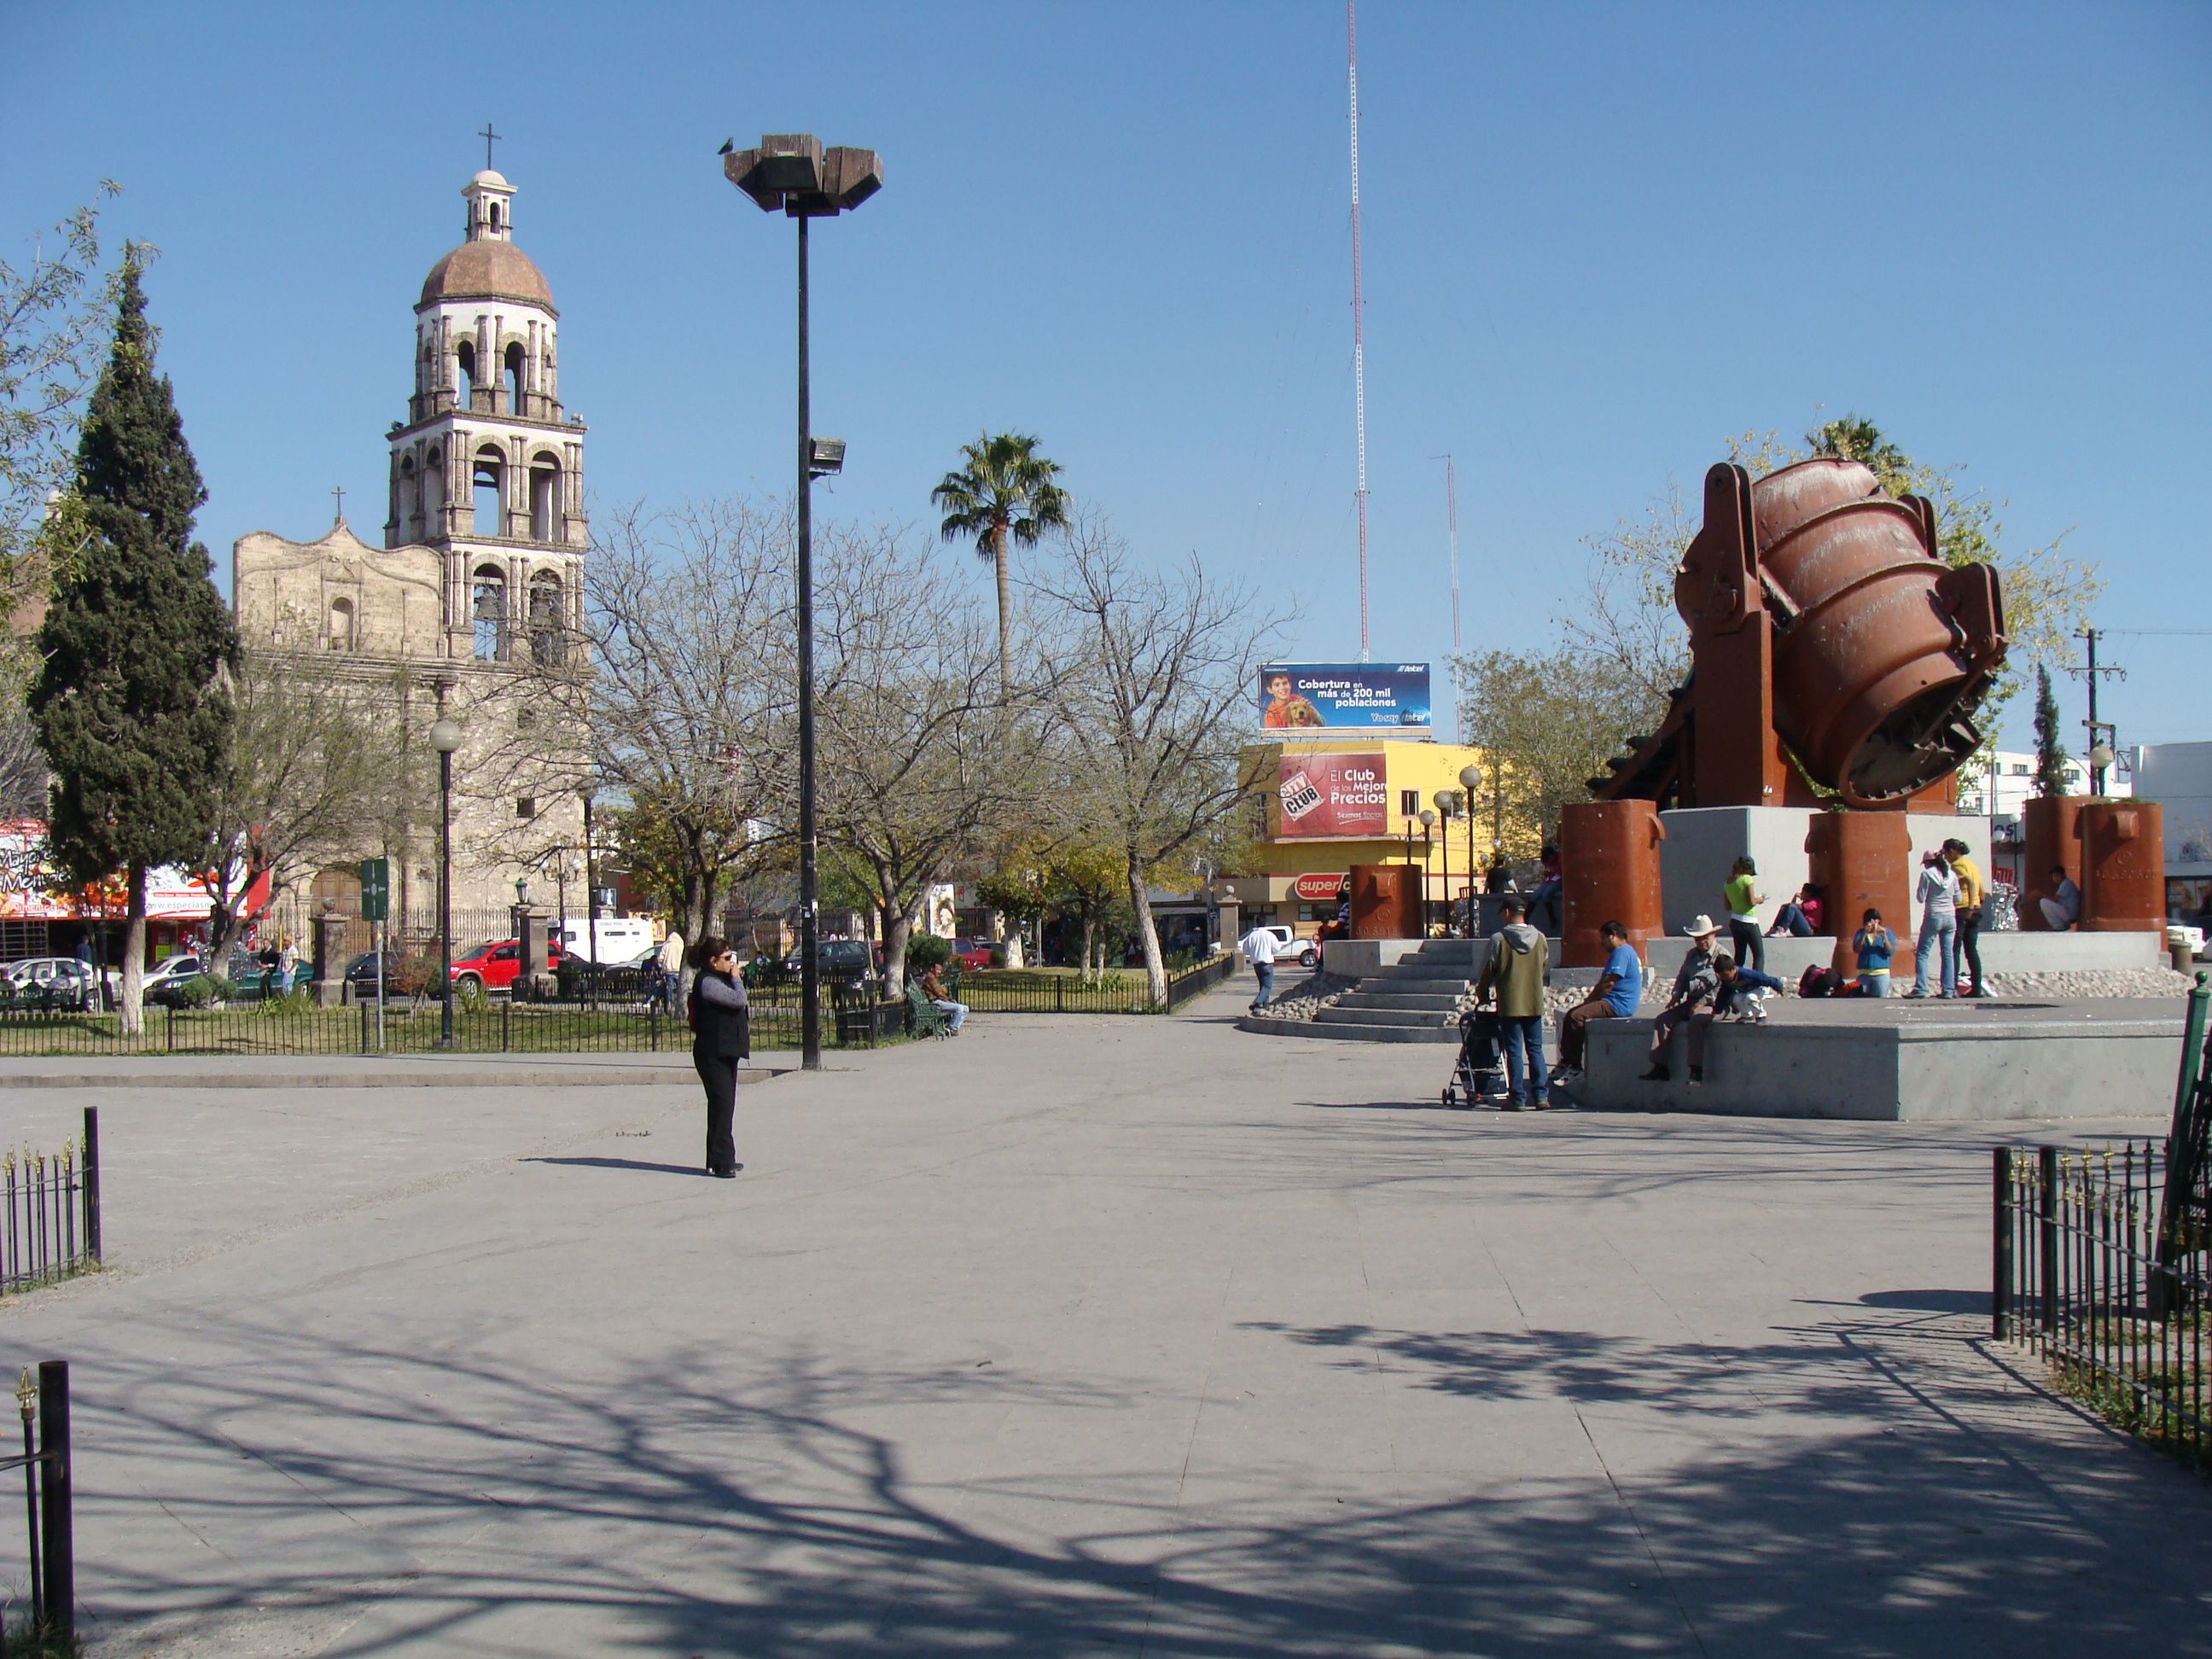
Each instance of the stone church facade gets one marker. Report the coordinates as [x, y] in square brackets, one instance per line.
[478, 583]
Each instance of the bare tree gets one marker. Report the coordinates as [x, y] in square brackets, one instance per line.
[317, 772]
[1155, 701]
[922, 760]
[677, 698]
[54, 319]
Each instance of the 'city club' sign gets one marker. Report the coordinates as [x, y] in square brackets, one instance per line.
[1332, 795]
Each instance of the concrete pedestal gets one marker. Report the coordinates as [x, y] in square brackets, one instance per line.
[1703, 843]
[330, 960]
[1906, 1062]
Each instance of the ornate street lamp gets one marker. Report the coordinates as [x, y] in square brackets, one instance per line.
[1448, 801]
[1470, 778]
[445, 737]
[792, 172]
[1428, 852]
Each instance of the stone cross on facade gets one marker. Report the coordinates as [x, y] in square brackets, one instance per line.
[338, 494]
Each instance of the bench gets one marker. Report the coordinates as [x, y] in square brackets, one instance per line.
[923, 1018]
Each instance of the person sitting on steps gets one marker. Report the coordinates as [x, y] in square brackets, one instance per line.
[1802, 916]
[1619, 988]
[2063, 908]
[1694, 986]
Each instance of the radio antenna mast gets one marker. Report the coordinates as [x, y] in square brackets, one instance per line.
[1451, 525]
[1358, 304]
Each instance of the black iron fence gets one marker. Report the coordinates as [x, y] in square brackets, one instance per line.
[47, 1622]
[610, 1014]
[52, 1212]
[2085, 1275]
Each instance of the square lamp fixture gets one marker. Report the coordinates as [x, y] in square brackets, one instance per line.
[825, 457]
[792, 171]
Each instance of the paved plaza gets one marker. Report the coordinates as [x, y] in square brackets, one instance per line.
[1103, 1335]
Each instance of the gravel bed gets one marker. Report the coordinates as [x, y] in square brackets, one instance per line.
[1307, 998]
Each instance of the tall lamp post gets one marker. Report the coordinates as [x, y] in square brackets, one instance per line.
[1447, 802]
[445, 737]
[1470, 777]
[792, 172]
[1428, 852]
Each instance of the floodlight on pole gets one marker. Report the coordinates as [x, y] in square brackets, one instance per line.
[792, 171]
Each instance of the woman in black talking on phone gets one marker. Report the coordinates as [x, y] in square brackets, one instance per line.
[721, 1035]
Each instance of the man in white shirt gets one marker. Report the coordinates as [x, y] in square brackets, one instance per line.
[1259, 949]
[672, 970]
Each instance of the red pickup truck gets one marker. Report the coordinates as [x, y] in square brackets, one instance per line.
[492, 965]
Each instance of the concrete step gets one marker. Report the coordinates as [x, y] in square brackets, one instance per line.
[1414, 969]
[1338, 1014]
[1438, 1002]
[1303, 1028]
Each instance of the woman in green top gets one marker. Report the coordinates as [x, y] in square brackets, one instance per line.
[1744, 899]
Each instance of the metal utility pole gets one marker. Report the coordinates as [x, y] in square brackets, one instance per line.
[791, 171]
[2099, 730]
[1451, 524]
[1359, 307]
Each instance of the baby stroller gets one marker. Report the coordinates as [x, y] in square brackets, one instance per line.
[1475, 1073]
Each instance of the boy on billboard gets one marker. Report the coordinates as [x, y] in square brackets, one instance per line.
[1284, 707]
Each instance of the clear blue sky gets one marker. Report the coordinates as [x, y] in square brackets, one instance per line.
[1599, 239]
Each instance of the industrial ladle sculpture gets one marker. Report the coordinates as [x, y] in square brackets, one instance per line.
[1832, 651]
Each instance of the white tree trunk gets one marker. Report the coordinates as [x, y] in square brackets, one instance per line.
[896, 932]
[1148, 935]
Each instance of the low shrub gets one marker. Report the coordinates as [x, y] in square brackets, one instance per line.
[926, 951]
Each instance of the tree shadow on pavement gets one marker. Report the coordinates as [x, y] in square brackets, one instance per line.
[774, 1502]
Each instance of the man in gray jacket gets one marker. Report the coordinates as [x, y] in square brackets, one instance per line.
[1520, 960]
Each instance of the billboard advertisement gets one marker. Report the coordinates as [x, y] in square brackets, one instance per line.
[1345, 697]
[1332, 795]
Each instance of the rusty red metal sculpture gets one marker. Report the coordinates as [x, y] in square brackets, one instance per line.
[1833, 651]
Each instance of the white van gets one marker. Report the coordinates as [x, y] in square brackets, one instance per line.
[619, 939]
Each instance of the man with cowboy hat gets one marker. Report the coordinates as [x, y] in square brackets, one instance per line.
[1694, 986]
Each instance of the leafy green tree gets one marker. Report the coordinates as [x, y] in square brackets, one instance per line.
[1003, 489]
[132, 707]
[2050, 755]
[1547, 723]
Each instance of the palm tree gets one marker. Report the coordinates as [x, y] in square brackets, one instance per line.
[1003, 488]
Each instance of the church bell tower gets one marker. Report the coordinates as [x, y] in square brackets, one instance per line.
[488, 468]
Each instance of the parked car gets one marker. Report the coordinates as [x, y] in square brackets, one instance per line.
[1289, 947]
[973, 953]
[360, 974]
[492, 965]
[185, 965]
[838, 961]
[52, 983]
[247, 976]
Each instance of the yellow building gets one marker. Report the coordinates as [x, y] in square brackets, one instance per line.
[1323, 804]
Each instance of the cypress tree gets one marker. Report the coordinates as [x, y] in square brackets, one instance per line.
[2051, 756]
[132, 706]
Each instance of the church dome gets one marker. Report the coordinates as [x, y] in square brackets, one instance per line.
[487, 269]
